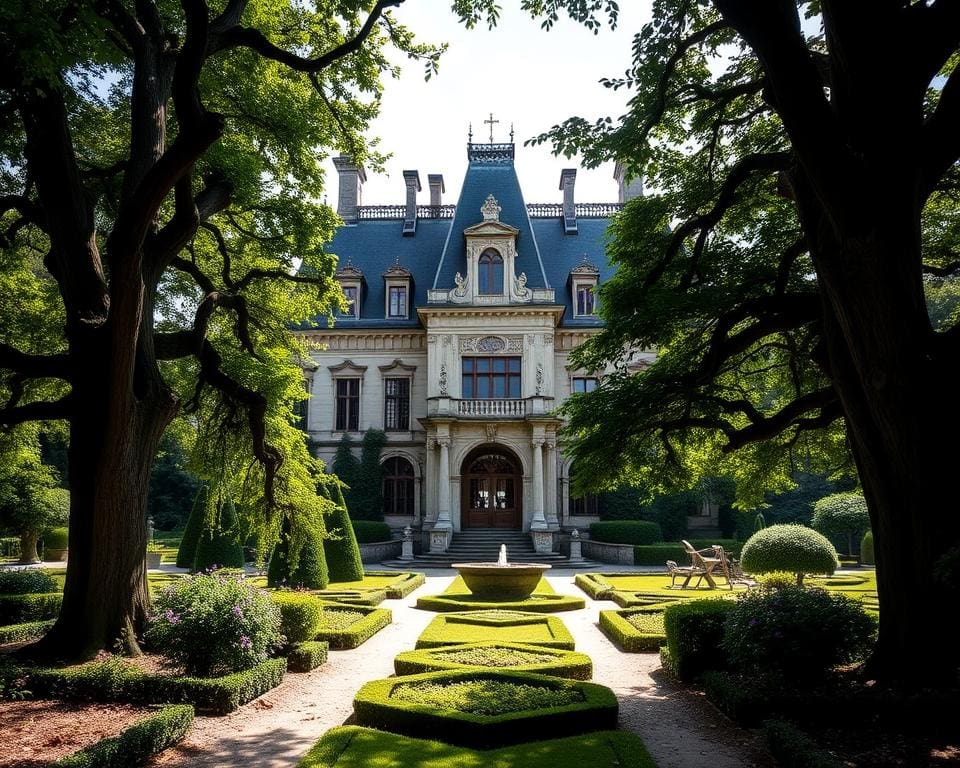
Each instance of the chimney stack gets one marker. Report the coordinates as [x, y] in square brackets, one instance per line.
[412, 181]
[435, 180]
[352, 177]
[568, 178]
[628, 187]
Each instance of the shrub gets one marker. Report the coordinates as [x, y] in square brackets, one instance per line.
[777, 580]
[311, 570]
[220, 545]
[637, 630]
[866, 549]
[16, 609]
[135, 744]
[210, 623]
[348, 627]
[340, 548]
[658, 554]
[498, 625]
[26, 581]
[626, 532]
[694, 631]
[300, 615]
[187, 552]
[796, 633]
[368, 531]
[792, 548]
[842, 516]
[56, 538]
[517, 657]
[794, 749]
[30, 630]
[307, 656]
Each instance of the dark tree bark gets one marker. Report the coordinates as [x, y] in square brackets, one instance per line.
[28, 548]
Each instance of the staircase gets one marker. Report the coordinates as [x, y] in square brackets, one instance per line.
[482, 545]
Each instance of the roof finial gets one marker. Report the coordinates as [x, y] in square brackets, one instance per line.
[470, 133]
[511, 133]
[491, 122]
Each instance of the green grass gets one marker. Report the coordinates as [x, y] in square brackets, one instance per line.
[502, 626]
[485, 697]
[353, 747]
[457, 597]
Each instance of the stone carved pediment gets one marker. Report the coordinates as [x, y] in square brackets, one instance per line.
[491, 229]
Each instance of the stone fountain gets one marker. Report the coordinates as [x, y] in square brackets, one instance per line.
[501, 580]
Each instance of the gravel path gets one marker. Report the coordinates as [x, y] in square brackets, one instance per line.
[679, 728]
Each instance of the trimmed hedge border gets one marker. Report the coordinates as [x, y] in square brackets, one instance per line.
[354, 747]
[658, 554]
[534, 603]
[307, 656]
[209, 695]
[694, 630]
[360, 631]
[135, 745]
[19, 609]
[626, 532]
[627, 637]
[374, 707]
[596, 584]
[632, 599]
[368, 598]
[19, 633]
[405, 583]
[478, 626]
[567, 664]
[794, 749]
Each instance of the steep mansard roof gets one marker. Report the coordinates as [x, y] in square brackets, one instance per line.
[437, 251]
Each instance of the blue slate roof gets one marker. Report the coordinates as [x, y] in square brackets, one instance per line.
[438, 249]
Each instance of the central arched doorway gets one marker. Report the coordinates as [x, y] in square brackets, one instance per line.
[492, 488]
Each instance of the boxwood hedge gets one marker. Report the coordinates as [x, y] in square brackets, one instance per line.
[24, 581]
[358, 632]
[517, 657]
[626, 532]
[19, 633]
[694, 630]
[17, 609]
[401, 584]
[375, 705]
[135, 744]
[307, 656]
[624, 634]
[499, 625]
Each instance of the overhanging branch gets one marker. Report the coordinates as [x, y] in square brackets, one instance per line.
[34, 366]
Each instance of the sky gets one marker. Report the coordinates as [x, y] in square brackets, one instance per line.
[525, 76]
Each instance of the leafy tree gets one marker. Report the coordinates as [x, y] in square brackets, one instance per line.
[842, 516]
[801, 159]
[162, 160]
[346, 466]
[172, 487]
[366, 495]
[30, 502]
[219, 543]
[790, 548]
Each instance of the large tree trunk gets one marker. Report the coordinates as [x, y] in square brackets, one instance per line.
[28, 548]
[897, 385]
[114, 439]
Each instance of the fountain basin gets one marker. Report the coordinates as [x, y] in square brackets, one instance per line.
[493, 581]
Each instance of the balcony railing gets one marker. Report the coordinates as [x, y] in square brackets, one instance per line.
[502, 409]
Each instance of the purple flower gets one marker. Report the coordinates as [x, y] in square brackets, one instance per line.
[237, 611]
[245, 642]
[753, 622]
[170, 616]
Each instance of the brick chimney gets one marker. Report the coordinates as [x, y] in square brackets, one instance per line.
[568, 178]
[350, 194]
[435, 180]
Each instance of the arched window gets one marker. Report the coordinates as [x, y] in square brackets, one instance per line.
[398, 486]
[584, 505]
[490, 273]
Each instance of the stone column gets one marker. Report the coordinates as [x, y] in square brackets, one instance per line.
[542, 537]
[550, 503]
[440, 536]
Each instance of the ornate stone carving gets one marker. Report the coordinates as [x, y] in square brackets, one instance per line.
[547, 339]
[515, 344]
[443, 379]
[520, 289]
[461, 290]
[490, 209]
[431, 443]
[586, 268]
[539, 379]
[491, 430]
[491, 344]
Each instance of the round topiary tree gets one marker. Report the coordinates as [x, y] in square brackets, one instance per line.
[187, 552]
[793, 548]
[342, 552]
[842, 516]
[220, 546]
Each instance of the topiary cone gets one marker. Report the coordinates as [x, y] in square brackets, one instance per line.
[343, 553]
[221, 545]
[187, 553]
[311, 571]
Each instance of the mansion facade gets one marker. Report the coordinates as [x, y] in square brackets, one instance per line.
[456, 344]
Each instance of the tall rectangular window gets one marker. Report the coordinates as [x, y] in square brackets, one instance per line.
[398, 301]
[396, 404]
[583, 384]
[491, 378]
[348, 405]
[586, 300]
[350, 292]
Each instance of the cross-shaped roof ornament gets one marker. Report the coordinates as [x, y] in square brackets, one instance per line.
[491, 122]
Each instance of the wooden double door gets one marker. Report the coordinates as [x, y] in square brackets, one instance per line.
[492, 490]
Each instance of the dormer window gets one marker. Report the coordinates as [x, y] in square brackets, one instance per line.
[583, 288]
[490, 273]
[398, 284]
[351, 283]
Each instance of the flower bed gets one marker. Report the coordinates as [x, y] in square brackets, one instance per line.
[518, 657]
[498, 625]
[485, 709]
